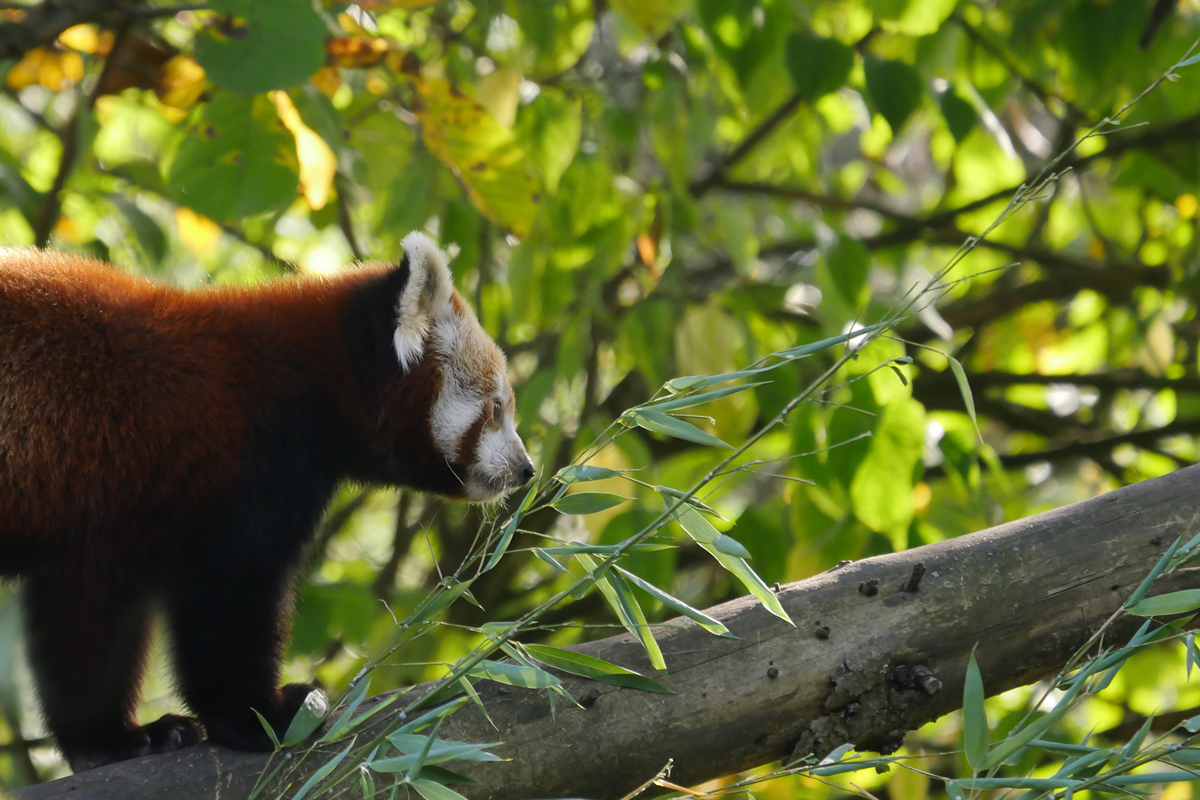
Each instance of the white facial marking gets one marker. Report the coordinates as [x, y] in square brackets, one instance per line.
[424, 297]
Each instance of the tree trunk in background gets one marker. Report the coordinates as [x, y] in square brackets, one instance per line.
[874, 653]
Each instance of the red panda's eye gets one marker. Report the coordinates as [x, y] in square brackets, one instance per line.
[497, 410]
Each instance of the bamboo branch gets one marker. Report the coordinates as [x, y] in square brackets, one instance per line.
[878, 648]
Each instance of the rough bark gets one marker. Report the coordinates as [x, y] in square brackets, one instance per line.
[873, 654]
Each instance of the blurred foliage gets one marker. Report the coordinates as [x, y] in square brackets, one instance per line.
[637, 191]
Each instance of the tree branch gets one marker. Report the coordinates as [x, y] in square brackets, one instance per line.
[858, 666]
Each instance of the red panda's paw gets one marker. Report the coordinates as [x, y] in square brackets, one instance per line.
[165, 735]
[171, 732]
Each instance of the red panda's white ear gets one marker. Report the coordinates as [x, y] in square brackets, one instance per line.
[426, 294]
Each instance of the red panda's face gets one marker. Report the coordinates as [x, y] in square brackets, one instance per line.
[471, 416]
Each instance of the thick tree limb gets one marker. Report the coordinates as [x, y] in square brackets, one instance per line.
[877, 650]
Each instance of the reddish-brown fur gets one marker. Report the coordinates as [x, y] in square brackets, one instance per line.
[162, 447]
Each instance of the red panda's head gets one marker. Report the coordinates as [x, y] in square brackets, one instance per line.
[453, 375]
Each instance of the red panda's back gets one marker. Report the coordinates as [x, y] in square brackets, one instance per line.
[110, 397]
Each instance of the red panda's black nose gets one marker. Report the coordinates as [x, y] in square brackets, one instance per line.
[525, 472]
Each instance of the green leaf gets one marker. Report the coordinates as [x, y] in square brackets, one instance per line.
[894, 89]
[817, 65]
[882, 486]
[434, 791]
[594, 668]
[848, 264]
[587, 502]
[441, 749]
[514, 675]
[234, 161]
[975, 725]
[815, 347]
[308, 718]
[448, 591]
[433, 714]
[697, 399]
[322, 773]
[150, 238]
[699, 617]
[731, 547]
[511, 528]
[959, 114]
[964, 388]
[549, 129]
[670, 426]
[353, 700]
[271, 44]
[578, 473]
[1181, 602]
[267, 727]
[706, 535]
[620, 598]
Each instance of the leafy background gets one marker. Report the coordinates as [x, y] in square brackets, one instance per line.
[637, 191]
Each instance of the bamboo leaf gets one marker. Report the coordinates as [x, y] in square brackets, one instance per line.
[975, 726]
[583, 503]
[1180, 602]
[322, 773]
[699, 617]
[670, 426]
[593, 668]
[514, 675]
[353, 700]
[690, 400]
[626, 606]
[702, 531]
[510, 529]
[964, 388]
[308, 718]
[578, 473]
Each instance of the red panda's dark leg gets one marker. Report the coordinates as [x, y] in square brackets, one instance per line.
[87, 634]
[229, 627]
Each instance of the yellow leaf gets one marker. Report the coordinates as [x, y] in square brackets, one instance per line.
[180, 82]
[197, 232]
[84, 38]
[25, 72]
[318, 164]
[327, 80]
[481, 152]
[1186, 205]
[499, 94]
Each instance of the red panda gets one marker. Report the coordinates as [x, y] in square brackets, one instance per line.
[170, 450]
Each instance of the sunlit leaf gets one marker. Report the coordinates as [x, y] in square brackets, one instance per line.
[481, 152]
